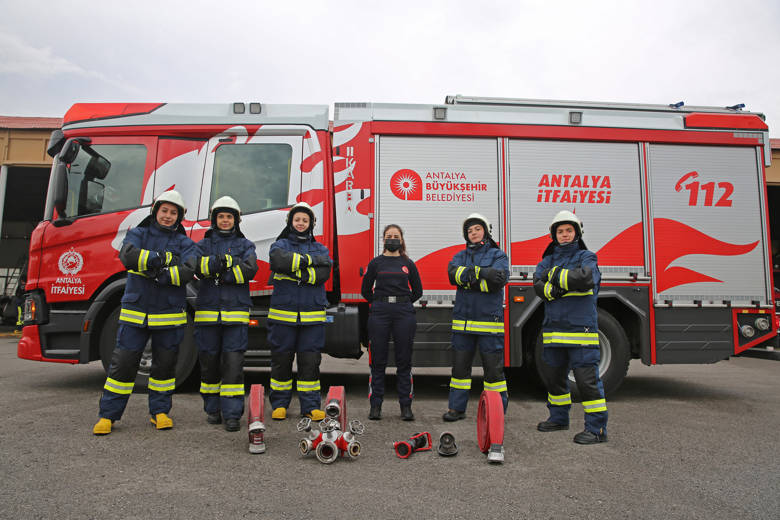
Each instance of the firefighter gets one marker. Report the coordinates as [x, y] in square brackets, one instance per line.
[567, 279]
[226, 262]
[296, 317]
[479, 272]
[391, 285]
[160, 261]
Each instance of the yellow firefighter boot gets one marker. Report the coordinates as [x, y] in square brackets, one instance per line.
[279, 414]
[316, 415]
[162, 421]
[102, 427]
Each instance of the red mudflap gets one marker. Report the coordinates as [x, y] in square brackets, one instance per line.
[490, 420]
[256, 419]
[336, 406]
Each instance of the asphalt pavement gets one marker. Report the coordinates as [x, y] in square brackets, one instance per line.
[684, 442]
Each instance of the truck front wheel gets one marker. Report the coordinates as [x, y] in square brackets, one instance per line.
[188, 353]
[615, 353]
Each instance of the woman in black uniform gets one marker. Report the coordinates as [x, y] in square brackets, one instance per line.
[391, 284]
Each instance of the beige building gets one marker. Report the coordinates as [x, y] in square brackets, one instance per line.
[24, 178]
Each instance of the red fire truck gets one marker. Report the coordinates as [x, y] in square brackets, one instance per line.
[672, 198]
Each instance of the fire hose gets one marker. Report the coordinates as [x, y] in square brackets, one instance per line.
[490, 425]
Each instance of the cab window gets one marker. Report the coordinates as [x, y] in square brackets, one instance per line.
[256, 175]
[119, 189]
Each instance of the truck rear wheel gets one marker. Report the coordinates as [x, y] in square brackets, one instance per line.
[188, 353]
[615, 353]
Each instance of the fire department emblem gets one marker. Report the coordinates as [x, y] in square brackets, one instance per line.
[70, 262]
[406, 184]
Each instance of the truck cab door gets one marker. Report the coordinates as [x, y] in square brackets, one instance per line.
[263, 174]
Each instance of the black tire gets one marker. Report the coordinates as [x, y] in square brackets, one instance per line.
[188, 353]
[615, 354]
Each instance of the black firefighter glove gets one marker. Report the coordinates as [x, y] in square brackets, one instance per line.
[320, 261]
[226, 262]
[495, 277]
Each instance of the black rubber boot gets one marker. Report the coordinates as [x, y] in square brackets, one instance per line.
[232, 425]
[375, 414]
[214, 418]
[549, 426]
[586, 437]
[453, 415]
[406, 412]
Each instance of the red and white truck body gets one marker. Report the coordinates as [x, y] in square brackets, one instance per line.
[673, 201]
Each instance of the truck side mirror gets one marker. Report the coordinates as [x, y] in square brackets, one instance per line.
[97, 167]
[69, 151]
[60, 181]
[56, 141]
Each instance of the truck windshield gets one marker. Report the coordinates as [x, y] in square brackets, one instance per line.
[119, 189]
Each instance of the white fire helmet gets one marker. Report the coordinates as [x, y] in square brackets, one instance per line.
[227, 204]
[301, 206]
[478, 219]
[568, 217]
[171, 197]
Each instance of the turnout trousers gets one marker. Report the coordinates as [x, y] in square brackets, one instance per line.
[491, 350]
[126, 358]
[221, 354]
[584, 362]
[398, 320]
[306, 342]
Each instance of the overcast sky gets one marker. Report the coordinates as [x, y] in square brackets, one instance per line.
[53, 54]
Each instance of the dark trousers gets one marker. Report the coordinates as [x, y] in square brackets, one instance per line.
[491, 349]
[399, 321]
[126, 358]
[584, 362]
[287, 342]
[221, 353]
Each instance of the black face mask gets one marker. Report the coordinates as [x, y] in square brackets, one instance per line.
[392, 244]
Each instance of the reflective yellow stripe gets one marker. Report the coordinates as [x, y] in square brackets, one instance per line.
[571, 338]
[278, 276]
[162, 385]
[457, 275]
[296, 262]
[559, 400]
[312, 316]
[552, 273]
[308, 259]
[460, 384]
[485, 326]
[228, 260]
[174, 272]
[231, 390]
[599, 405]
[143, 257]
[206, 316]
[498, 386]
[458, 325]
[573, 293]
[207, 388]
[168, 257]
[312, 275]
[280, 315]
[119, 387]
[307, 386]
[477, 270]
[548, 290]
[235, 316]
[483, 286]
[138, 273]
[238, 274]
[281, 385]
[204, 265]
[132, 316]
[565, 279]
[161, 320]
